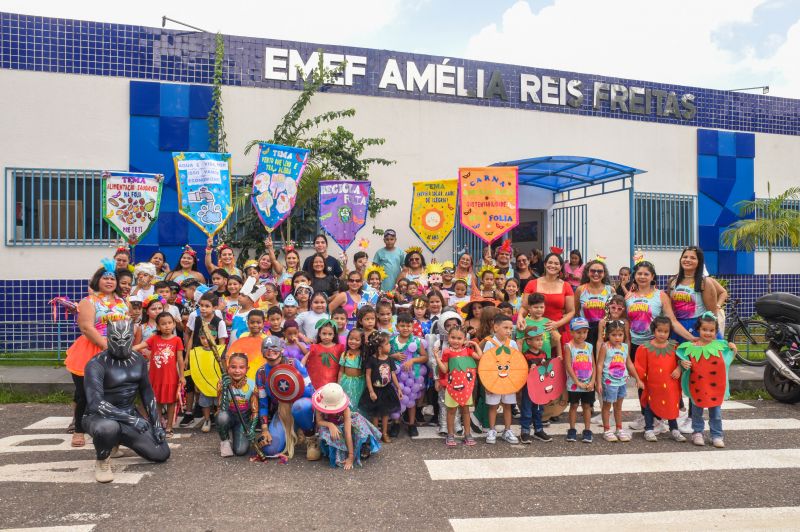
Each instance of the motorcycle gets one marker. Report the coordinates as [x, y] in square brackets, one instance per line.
[781, 311]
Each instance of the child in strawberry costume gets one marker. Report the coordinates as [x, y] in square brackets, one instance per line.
[706, 382]
[458, 366]
[322, 359]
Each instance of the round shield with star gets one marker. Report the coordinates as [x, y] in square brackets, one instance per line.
[286, 383]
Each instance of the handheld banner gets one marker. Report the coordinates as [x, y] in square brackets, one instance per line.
[278, 171]
[487, 199]
[131, 202]
[204, 188]
[433, 207]
[343, 209]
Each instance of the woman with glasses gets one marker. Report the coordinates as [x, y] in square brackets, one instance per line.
[522, 268]
[414, 267]
[592, 295]
[350, 300]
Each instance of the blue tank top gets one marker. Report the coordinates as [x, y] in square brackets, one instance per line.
[641, 311]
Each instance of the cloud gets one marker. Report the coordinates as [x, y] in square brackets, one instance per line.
[679, 42]
[322, 21]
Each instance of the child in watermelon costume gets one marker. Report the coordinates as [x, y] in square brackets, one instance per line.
[706, 382]
[657, 365]
[459, 370]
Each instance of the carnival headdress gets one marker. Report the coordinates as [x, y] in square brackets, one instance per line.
[600, 258]
[288, 246]
[187, 249]
[487, 268]
[557, 250]
[110, 267]
[413, 249]
[505, 247]
[638, 256]
[250, 263]
[155, 298]
[251, 290]
[146, 268]
[375, 268]
[434, 268]
[448, 265]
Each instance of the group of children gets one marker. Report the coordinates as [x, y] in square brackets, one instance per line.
[410, 349]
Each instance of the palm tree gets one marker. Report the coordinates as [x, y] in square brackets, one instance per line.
[765, 222]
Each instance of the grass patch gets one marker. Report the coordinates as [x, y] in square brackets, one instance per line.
[32, 358]
[751, 395]
[8, 396]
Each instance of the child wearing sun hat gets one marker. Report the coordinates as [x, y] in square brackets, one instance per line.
[346, 437]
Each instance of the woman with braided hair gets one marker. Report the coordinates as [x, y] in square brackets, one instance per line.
[238, 397]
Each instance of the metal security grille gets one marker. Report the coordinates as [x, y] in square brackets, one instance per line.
[569, 229]
[784, 244]
[664, 221]
[54, 207]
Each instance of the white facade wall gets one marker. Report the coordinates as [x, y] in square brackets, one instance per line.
[72, 121]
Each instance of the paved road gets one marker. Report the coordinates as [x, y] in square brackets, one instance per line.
[416, 484]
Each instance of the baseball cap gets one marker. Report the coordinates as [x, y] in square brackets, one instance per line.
[390, 232]
[578, 323]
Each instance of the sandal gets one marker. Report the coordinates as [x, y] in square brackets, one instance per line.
[78, 440]
[170, 434]
[469, 441]
[386, 439]
[450, 441]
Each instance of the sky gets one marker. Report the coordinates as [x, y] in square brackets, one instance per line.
[720, 44]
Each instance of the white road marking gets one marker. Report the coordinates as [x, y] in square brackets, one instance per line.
[74, 471]
[51, 423]
[65, 528]
[559, 429]
[22, 443]
[612, 464]
[728, 519]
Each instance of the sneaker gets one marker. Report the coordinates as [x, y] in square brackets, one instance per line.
[698, 439]
[677, 436]
[572, 435]
[412, 431]
[623, 435]
[638, 424]
[477, 428]
[102, 470]
[450, 441]
[542, 436]
[394, 430]
[443, 431]
[610, 436]
[719, 443]
[510, 437]
[206, 425]
[650, 435]
[587, 436]
[225, 449]
[491, 436]
[186, 420]
[515, 411]
[685, 425]
[469, 441]
[525, 438]
[659, 427]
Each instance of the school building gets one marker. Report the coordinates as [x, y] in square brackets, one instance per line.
[607, 165]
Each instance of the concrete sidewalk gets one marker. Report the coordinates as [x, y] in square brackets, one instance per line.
[43, 379]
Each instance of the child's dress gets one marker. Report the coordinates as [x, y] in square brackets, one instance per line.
[352, 386]
[412, 382]
[362, 431]
[323, 364]
[293, 351]
[387, 402]
[164, 367]
[661, 392]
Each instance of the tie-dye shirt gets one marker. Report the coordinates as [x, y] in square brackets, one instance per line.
[615, 368]
[582, 359]
[642, 309]
[687, 303]
[593, 306]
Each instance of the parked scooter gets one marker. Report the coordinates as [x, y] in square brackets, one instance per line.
[781, 311]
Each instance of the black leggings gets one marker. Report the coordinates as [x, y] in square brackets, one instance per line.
[80, 403]
[107, 434]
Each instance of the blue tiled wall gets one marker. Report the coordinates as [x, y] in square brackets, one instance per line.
[138, 52]
[167, 117]
[725, 162]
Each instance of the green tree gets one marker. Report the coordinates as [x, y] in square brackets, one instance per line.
[335, 154]
[765, 223]
[217, 139]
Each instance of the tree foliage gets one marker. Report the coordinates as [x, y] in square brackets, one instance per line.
[336, 153]
[217, 139]
[765, 223]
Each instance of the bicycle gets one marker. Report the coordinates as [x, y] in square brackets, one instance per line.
[749, 335]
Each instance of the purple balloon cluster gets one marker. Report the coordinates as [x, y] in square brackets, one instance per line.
[412, 385]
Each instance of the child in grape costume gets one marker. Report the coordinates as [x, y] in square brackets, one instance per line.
[410, 356]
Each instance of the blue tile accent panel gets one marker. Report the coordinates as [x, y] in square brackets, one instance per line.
[175, 100]
[26, 318]
[172, 231]
[141, 53]
[173, 134]
[725, 177]
[199, 101]
[198, 135]
[145, 98]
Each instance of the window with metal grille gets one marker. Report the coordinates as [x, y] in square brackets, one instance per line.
[55, 207]
[664, 221]
[784, 244]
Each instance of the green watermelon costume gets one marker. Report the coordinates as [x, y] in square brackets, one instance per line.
[662, 393]
[707, 382]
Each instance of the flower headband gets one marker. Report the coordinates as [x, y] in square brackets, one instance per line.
[155, 298]
[187, 250]
[708, 314]
[288, 246]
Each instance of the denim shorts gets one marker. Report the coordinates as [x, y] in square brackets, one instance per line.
[613, 393]
[205, 401]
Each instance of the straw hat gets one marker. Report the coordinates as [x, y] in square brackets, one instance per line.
[330, 399]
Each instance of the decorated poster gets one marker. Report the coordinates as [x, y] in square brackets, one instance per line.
[278, 172]
[131, 202]
[343, 209]
[487, 200]
[433, 207]
[204, 188]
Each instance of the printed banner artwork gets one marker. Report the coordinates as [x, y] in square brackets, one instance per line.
[204, 188]
[433, 207]
[343, 209]
[487, 199]
[131, 202]
[278, 172]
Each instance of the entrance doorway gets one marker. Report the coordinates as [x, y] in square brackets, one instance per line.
[530, 233]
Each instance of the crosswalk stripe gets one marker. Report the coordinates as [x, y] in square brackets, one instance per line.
[64, 528]
[557, 429]
[51, 423]
[73, 471]
[611, 464]
[780, 518]
[25, 443]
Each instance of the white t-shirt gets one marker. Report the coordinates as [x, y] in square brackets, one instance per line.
[307, 322]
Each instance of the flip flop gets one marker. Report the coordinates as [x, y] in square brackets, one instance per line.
[78, 440]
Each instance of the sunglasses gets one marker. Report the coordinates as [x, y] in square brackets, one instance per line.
[354, 280]
[597, 272]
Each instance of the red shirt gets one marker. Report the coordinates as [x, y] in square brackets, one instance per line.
[554, 304]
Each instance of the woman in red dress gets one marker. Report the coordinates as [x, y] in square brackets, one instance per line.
[559, 300]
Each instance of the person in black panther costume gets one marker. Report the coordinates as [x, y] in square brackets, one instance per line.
[112, 380]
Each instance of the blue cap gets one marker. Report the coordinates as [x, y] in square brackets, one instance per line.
[578, 323]
[290, 301]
